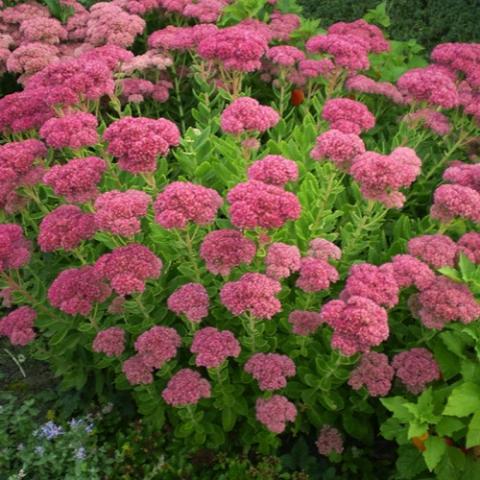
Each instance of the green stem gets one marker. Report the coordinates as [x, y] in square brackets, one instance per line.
[15, 360]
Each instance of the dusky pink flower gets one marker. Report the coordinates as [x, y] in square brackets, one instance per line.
[437, 122]
[304, 323]
[282, 260]
[275, 412]
[366, 32]
[190, 300]
[374, 373]
[14, 248]
[212, 347]
[136, 90]
[271, 370]
[329, 441]
[151, 60]
[363, 84]
[324, 250]
[43, 30]
[451, 201]
[469, 245]
[282, 25]
[30, 58]
[310, 68]
[172, 38]
[186, 387]
[111, 55]
[436, 250]
[464, 174]
[285, 55]
[136, 371]
[348, 116]
[111, 342]
[157, 346]
[18, 326]
[274, 170]
[316, 275]
[408, 270]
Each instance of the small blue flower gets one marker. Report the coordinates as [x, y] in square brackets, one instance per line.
[49, 430]
[80, 453]
[39, 450]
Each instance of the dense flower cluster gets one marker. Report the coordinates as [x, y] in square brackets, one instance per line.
[190, 300]
[136, 371]
[274, 169]
[436, 250]
[366, 32]
[437, 122]
[186, 387]
[157, 346]
[275, 412]
[451, 201]
[285, 55]
[329, 441]
[316, 275]
[374, 373]
[111, 342]
[348, 116]
[408, 271]
[324, 250]
[304, 323]
[469, 245]
[282, 260]
[271, 370]
[363, 84]
[212, 347]
[14, 248]
[18, 326]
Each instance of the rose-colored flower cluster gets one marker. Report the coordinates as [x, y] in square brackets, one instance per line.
[18, 326]
[381, 176]
[374, 373]
[271, 370]
[111, 342]
[436, 250]
[212, 347]
[358, 324]
[451, 201]
[75, 290]
[136, 90]
[275, 412]
[120, 212]
[416, 368]
[150, 60]
[246, 114]
[469, 245]
[363, 84]
[186, 387]
[14, 248]
[408, 271]
[324, 250]
[274, 170]
[223, 250]
[437, 122]
[136, 372]
[128, 268]
[464, 174]
[203, 10]
[257, 204]
[77, 180]
[316, 275]
[42, 29]
[254, 294]
[285, 55]
[348, 116]
[137, 142]
[366, 32]
[183, 202]
[190, 300]
[30, 58]
[338, 147]
[157, 346]
[304, 323]
[282, 260]
[329, 441]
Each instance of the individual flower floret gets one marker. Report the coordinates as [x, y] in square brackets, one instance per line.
[348, 116]
[274, 169]
[14, 248]
[275, 412]
[304, 323]
[18, 326]
[316, 275]
[186, 387]
[282, 260]
[271, 370]
[374, 373]
[190, 300]
[329, 441]
[111, 342]
[136, 371]
[436, 250]
[212, 347]
[157, 346]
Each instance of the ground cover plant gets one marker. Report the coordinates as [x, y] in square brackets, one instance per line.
[262, 233]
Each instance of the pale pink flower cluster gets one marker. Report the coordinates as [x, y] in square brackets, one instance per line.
[73, 130]
[254, 294]
[282, 260]
[348, 116]
[329, 441]
[150, 60]
[382, 176]
[14, 248]
[257, 204]
[416, 368]
[136, 90]
[374, 373]
[274, 170]
[408, 271]
[282, 25]
[469, 245]
[137, 142]
[212, 347]
[190, 300]
[324, 250]
[246, 114]
[436, 250]
[365, 32]
[136, 372]
[363, 84]
[437, 122]
[65, 228]
[77, 180]
[75, 290]
[186, 387]
[42, 29]
[275, 412]
[338, 147]
[30, 58]
[111, 342]
[157, 346]
[271, 370]
[303, 322]
[316, 275]
[120, 212]
[137, 7]
[18, 326]
[128, 268]
[183, 202]
[358, 324]
[223, 250]
[203, 10]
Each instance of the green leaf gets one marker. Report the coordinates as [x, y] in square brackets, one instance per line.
[409, 463]
[464, 400]
[448, 425]
[450, 273]
[435, 449]
[229, 418]
[396, 405]
[467, 267]
[473, 432]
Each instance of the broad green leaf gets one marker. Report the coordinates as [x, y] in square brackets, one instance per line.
[448, 425]
[464, 400]
[435, 448]
[473, 432]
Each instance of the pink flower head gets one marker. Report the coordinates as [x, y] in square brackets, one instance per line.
[183, 202]
[309, 68]
[408, 271]
[363, 84]
[374, 373]
[136, 371]
[464, 174]
[324, 250]
[469, 245]
[285, 55]
[416, 368]
[19, 158]
[30, 58]
[329, 441]
[190, 300]
[457, 56]
[303, 322]
[157, 346]
[186, 387]
[151, 60]
[75, 290]
[112, 56]
[257, 204]
[42, 29]
[376, 283]
[120, 212]
[436, 250]
[111, 342]
[338, 147]
[18, 326]
[316, 275]
[137, 142]
[14, 248]
[347, 51]
[437, 122]
[172, 38]
[445, 301]
[23, 11]
[429, 84]
[237, 48]
[348, 116]
[366, 32]
[451, 201]
[245, 114]
[282, 260]
[161, 91]
[253, 293]
[76, 180]
[381, 176]
[136, 89]
[65, 228]
[358, 324]
[138, 7]
[271, 370]
[223, 250]
[212, 347]
[205, 10]
[274, 170]
[128, 268]
[282, 25]
[275, 412]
